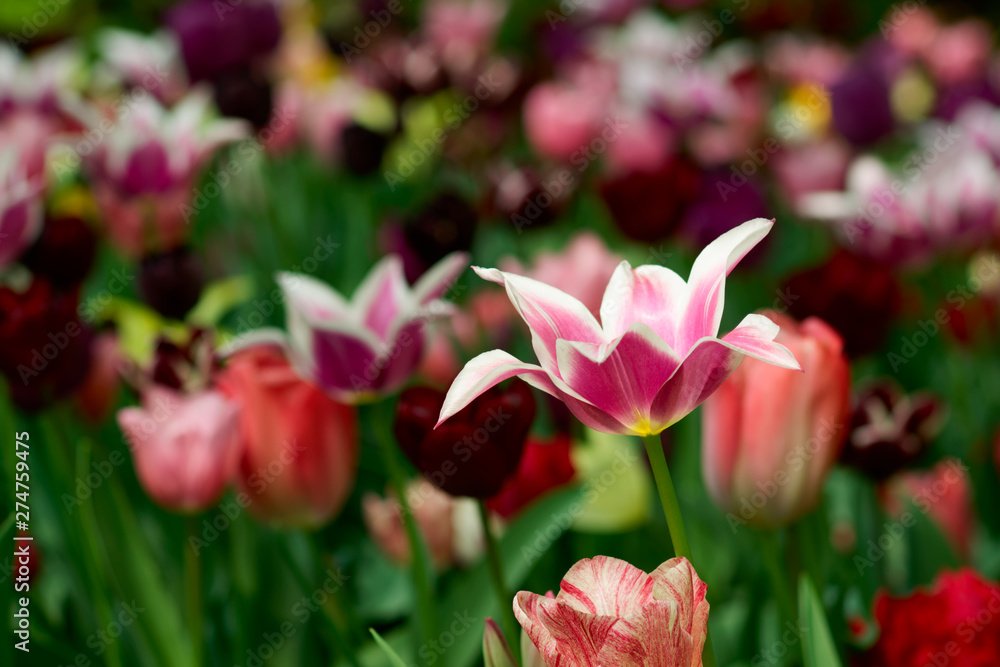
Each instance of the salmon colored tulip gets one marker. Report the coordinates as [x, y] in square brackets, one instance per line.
[300, 446]
[185, 448]
[653, 357]
[608, 612]
[770, 436]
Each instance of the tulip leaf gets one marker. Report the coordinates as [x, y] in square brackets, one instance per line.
[219, 298]
[393, 658]
[818, 649]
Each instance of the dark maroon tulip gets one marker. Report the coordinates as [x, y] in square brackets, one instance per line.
[171, 282]
[243, 92]
[473, 452]
[45, 353]
[721, 205]
[362, 149]
[890, 430]
[857, 297]
[861, 108]
[648, 206]
[64, 252]
[444, 225]
[952, 98]
[216, 37]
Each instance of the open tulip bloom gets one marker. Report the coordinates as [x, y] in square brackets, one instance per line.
[367, 347]
[653, 358]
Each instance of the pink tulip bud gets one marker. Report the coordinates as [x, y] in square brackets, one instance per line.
[770, 435]
[608, 612]
[301, 447]
[185, 448]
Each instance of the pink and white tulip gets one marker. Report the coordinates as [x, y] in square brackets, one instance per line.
[608, 612]
[368, 347]
[186, 448]
[145, 168]
[651, 360]
[20, 206]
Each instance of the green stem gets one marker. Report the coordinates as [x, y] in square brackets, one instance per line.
[504, 598]
[192, 585]
[783, 595]
[427, 613]
[343, 646]
[675, 523]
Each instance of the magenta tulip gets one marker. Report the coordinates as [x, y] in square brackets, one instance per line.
[185, 448]
[370, 346]
[770, 436]
[651, 360]
[608, 612]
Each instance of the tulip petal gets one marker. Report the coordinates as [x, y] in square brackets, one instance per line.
[754, 337]
[440, 277]
[621, 378]
[563, 635]
[651, 294]
[677, 580]
[307, 303]
[707, 281]
[344, 361]
[605, 586]
[496, 653]
[382, 296]
[550, 314]
[485, 371]
[664, 643]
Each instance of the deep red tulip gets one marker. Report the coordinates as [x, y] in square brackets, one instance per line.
[955, 623]
[475, 451]
[544, 466]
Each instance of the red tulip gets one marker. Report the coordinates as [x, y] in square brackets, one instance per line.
[301, 447]
[544, 466]
[955, 623]
[944, 493]
[770, 435]
[185, 448]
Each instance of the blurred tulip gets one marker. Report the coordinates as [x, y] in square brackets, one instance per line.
[445, 225]
[648, 206]
[20, 206]
[245, 93]
[45, 353]
[718, 209]
[99, 392]
[145, 177]
[461, 31]
[770, 436]
[171, 282]
[215, 38]
[582, 269]
[857, 297]
[860, 100]
[944, 493]
[545, 466]
[64, 251]
[362, 149]
[617, 484]
[815, 166]
[450, 526]
[300, 447]
[476, 450]
[960, 610]
[369, 347]
[151, 62]
[890, 430]
[608, 612]
[654, 359]
[561, 119]
[185, 448]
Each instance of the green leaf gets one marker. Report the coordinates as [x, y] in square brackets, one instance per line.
[818, 649]
[393, 658]
[219, 298]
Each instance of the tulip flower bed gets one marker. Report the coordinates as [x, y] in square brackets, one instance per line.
[493, 332]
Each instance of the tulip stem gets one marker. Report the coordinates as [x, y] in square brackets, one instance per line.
[426, 612]
[500, 588]
[783, 596]
[192, 584]
[675, 523]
